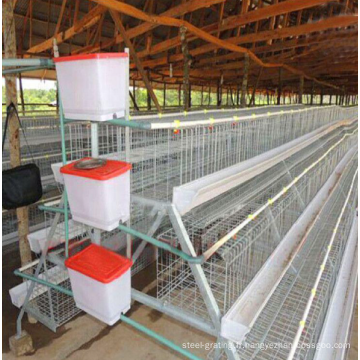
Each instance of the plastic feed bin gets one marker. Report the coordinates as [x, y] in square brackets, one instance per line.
[101, 282]
[99, 197]
[94, 86]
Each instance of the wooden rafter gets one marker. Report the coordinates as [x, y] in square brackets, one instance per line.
[229, 44]
[115, 16]
[60, 18]
[91, 18]
[143, 28]
[305, 37]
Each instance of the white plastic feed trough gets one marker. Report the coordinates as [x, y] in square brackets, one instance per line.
[93, 87]
[98, 192]
[101, 282]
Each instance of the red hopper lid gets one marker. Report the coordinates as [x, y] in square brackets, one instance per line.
[99, 263]
[90, 57]
[111, 169]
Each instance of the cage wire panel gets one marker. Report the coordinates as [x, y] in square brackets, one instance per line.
[279, 320]
[49, 306]
[165, 158]
[171, 155]
[235, 264]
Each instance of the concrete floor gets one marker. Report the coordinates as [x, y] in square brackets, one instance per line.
[86, 338]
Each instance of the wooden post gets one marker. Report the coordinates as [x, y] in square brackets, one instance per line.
[21, 94]
[189, 99]
[218, 94]
[245, 80]
[134, 90]
[209, 100]
[280, 87]
[57, 98]
[252, 101]
[202, 95]
[330, 99]
[179, 95]
[132, 97]
[301, 89]
[312, 93]
[148, 97]
[14, 138]
[322, 96]
[117, 20]
[187, 63]
[164, 103]
[231, 97]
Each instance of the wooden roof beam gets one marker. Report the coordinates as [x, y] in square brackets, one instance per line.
[239, 20]
[90, 19]
[322, 25]
[228, 23]
[207, 48]
[62, 10]
[175, 11]
[336, 39]
[116, 17]
[215, 42]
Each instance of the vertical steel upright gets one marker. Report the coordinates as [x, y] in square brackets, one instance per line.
[127, 142]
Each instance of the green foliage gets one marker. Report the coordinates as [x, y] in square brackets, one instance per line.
[35, 96]
[172, 98]
[47, 97]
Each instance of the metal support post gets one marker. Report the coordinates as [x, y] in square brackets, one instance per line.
[127, 144]
[96, 237]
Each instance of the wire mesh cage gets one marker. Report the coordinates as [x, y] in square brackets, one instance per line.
[237, 262]
[280, 319]
[273, 333]
[50, 306]
[178, 149]
[170, 154]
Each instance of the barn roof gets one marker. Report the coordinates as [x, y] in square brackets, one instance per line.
[316, 39]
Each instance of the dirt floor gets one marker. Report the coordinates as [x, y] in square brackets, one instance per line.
[85, 337]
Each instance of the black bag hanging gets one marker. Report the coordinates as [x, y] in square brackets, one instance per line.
[21, 185]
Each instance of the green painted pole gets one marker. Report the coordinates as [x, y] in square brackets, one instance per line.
[27, 62]
[52, 209]
[122, 122]
[123, 318]
[43, 282]
[63, 155]
[23, 69]
[130, 124]
[193, 260]
[159, 338]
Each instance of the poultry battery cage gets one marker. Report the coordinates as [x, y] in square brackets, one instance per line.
[217, 193]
